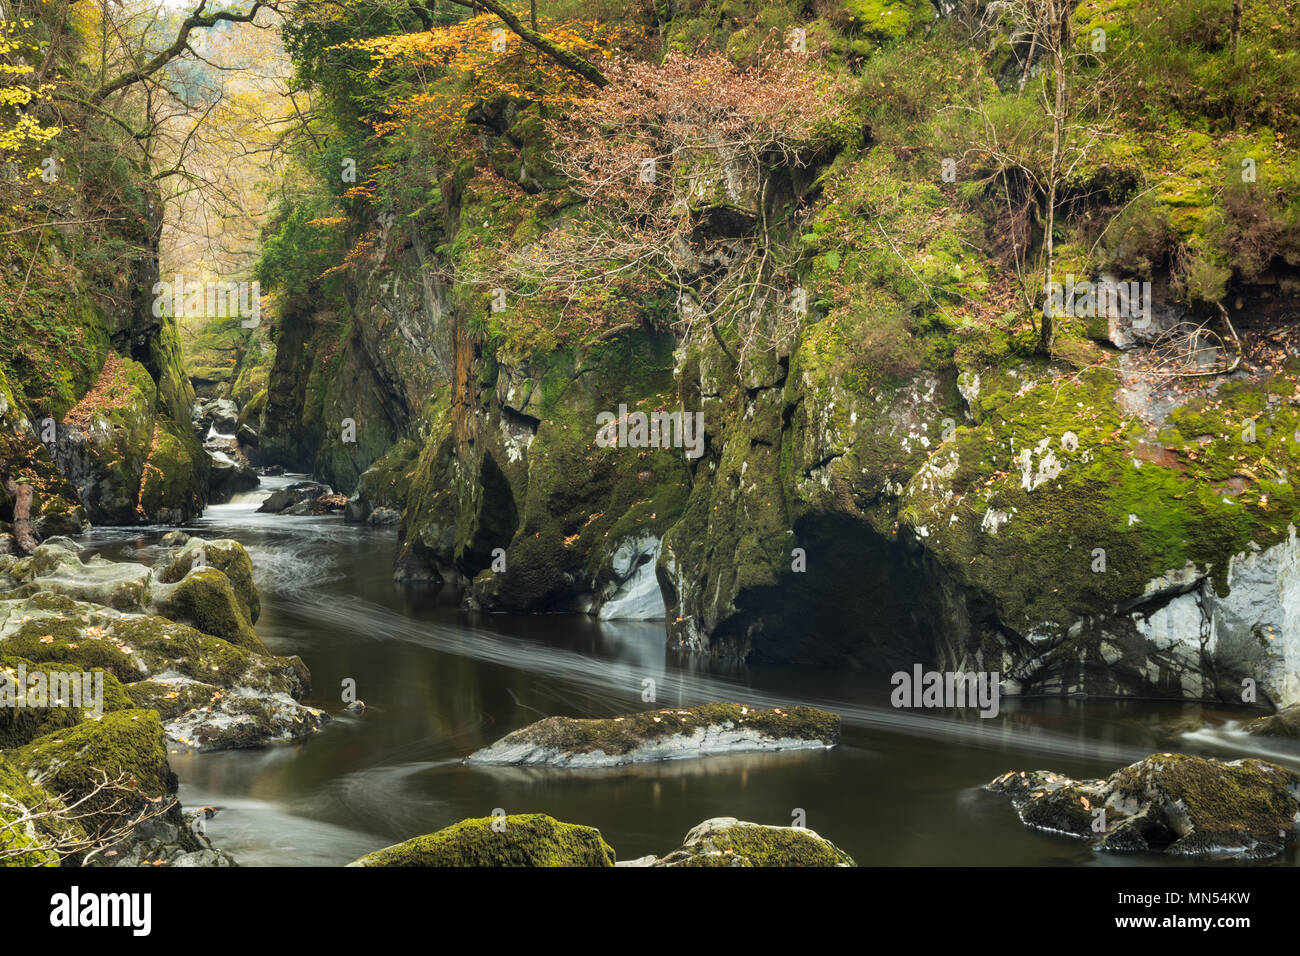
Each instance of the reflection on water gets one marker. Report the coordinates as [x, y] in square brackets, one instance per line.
[438, 682]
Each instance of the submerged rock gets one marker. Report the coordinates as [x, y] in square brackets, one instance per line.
[1166, 803]
[702, 731]
[726, 841]
[528, 839]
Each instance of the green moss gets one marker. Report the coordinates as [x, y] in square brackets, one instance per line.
[532, 839]
[127, 746]
[21, 725]
[205, 599]
[621, 735]
[716, 843]
[26, 844]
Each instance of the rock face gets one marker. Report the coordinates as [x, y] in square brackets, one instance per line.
[129, 462]
[1285, 723]
[708, 730]
[531, 839]
[1166, 803]
[726, 841]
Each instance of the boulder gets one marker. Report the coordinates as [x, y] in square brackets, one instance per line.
[226, 555]
[229, 477]
[205, 599]
[703, 731]
[1285, 723]
[1166, 803]
[726, 841]
[530, 839]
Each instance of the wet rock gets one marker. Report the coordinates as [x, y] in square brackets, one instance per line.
[1166, 803]
[247, 435]
[707, 730]
[1285, 723]
[221, 414]
[282, 499]
[384, 518]
[205, 599]
[174, 539]
[229, 478]
[726, 841]
[58, 523]
[531, 839]
[226, 555]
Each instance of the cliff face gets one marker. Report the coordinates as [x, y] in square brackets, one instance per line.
[905, 480]
[97, 400]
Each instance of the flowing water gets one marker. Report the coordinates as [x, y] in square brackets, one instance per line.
[903, 788]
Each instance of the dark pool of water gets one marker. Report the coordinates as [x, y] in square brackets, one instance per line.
[903, 788]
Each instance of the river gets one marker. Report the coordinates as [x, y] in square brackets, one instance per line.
[903, 788]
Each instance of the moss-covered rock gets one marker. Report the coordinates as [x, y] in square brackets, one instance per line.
[205, 599]
[224, 554]
[30, 842]
[726, 841]
[702, 731]
[130, 462]
[70, 696]
[127, 748]
[529, 839]
[1166, 803]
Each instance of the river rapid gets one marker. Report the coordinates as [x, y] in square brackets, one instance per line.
[903, 788]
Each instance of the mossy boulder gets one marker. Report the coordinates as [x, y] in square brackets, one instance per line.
[205, 599]
[131, 462]
[1166, 803]
[726, 841]
[224, 554]
[126, 747]
[61, 688]
[706, 730]
[1285, 723]
[529, 839]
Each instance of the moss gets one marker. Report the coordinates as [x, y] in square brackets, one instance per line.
[127, 746]
[34, 836]
[1245, 796]
[532, 839]
[730, 842]
[21, 725]
[205, 599]
[621, 735]
[227, 556]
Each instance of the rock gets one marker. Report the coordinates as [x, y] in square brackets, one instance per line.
[726, 841]
[226, 555]
[222, 414]
[702, 731]
[56, 524]
[1166, 803]
[356, 511]
[210, 694]
[229, 478]
[530, 839]
[636, 595]
[173, 539]
[1285, 723]
[384, 518]
[127, 745]
[356, 707]
[283, 499]
[247, 435]
[205, 599]
[21, 725]
[128, 461]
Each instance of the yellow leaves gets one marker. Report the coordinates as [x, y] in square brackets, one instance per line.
[47, 639]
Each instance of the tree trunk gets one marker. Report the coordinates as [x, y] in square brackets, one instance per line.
[22, 495]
